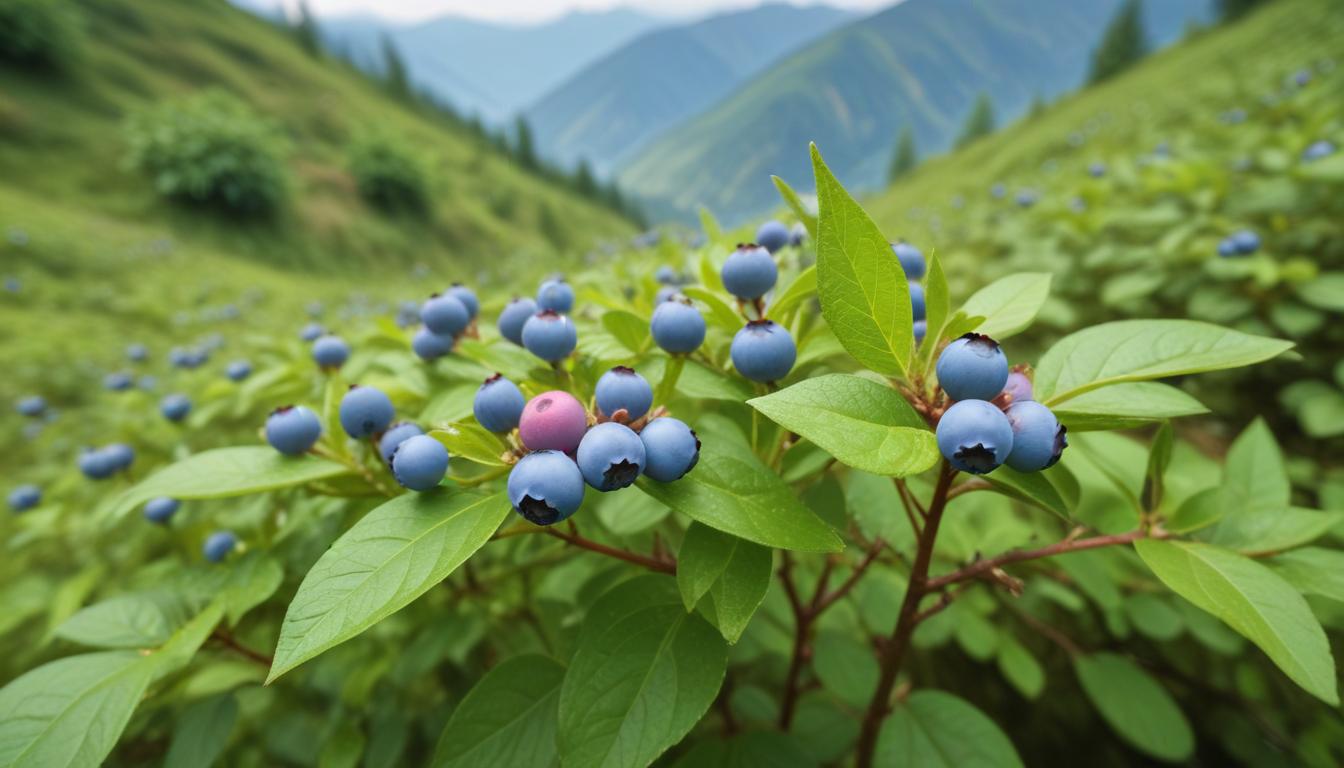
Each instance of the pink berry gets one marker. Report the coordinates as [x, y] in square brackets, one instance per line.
[553, 421]
[1018, 386]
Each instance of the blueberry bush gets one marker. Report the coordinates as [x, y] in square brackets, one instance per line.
[788, 503]
[390, 175]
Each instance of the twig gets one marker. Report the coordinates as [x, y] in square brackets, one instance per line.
[981, 567]
[228, 641]
[660, 566]
[848, 584]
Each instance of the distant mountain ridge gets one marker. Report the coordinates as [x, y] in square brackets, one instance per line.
[614, 106]
[483, 68]
[920, 63]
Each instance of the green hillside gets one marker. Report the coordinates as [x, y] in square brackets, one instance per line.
[63, 148]
[919, 64]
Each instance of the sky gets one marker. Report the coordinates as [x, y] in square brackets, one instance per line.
[532, 11]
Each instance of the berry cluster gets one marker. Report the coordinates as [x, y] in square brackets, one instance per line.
[562, 452]
[1242, 243]
[993, 419]
[102, 463]
[912, 263]
[446, 317]
[763, 350]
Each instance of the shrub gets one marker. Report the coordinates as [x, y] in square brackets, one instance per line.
[211, 150]
[38, 33]
[391, 176]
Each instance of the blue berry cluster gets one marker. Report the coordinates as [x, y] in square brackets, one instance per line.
[1241, 243]
[912, 263]
[993, 419]
[446, 317]
[763, 350]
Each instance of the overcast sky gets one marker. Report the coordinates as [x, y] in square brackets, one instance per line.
[527, 11]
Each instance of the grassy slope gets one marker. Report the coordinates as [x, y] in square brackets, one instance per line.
[62, 143]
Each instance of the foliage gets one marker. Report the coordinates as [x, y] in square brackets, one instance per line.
[42, 34]
[396, 79]
[212, 150]
[905, 158]
[1122, 44]
[979, 122]
[390, 174]
[306, 30]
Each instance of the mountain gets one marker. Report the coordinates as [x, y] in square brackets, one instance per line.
[487, 69]
[64, 144]
[920, 63]
[615, 105]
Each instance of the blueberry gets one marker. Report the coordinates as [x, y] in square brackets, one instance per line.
[219, 545]
[772, 235]
[555, 295]
[1318, 150]
[24, 498]
[238, 370]
[671, 449]
[137, 353]
[32, 406]
[1038, 437]
[973, 368]
[120, 455]
[311, 331]
[622, 388]
[365, 411]
[763, 351]
[394, 436]
[921, 329]
[293, 429]
[917, 301]
[610, 456]
[665, 293]
[1246, 242]
[974, 436]
[545, 487]
[499, 404]
[161, 510]
[750, 272]
[148, 383]
[550, 335]
[97, 464]
[468, 298]
[1018, 387]
[1026, 198]
[175, 407]
[514, 316]
[117, 382]
[665, 275]
[1096, 170]
[445, 315]
[420, 463]
[677, 326]
[911, 259]
[1227, 249]
[430, 346]
[331, 352]
[553, 421]
[798, 234]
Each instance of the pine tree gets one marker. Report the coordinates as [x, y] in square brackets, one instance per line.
[523, 149]
[1123, 44]
[980, 122]
[905, 158]
[395, 78]
[306, 31]
[584, 183]
[1231, 9]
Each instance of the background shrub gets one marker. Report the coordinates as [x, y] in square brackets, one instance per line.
[212, 150]
[38, 33]
[390, 175]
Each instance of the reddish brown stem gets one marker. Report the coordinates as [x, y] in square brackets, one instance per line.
[848, 584]
[228, 641]
[982, 567]
[653, 564]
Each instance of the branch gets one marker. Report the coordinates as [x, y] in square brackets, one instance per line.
[802, 624]
[980, 568]
[228, 641]
[659, 566]
[869, 558]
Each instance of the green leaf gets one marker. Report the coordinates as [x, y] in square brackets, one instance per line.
[188, 639]
[735, 572]
[631, 330]
[644, 674]
[251, 581]
[697, 382]
[472, 442]
[937, 311]
[1159, 457]
[1135, 706]
[508, 718]
[735, 493]
[1326, 291]
[393, 555]
[845, 666]
[1125, 406]
[795, 204]
[1031, 487]
[70, 712]
[1020, 668]
[860, 422]
[864, 294]
[789, 299]
[1200, 510]
[1256, 475]
[1254, 602]
[1313, 571]
[720, 313]
[1009, 304]
[226, 472]
[142, 620]
[1266, 531]
[201, 732]
[757, 749]
[1140, 350]
[933, 729]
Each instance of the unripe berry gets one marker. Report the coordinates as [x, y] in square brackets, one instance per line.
[1018, 387]
[553, 421]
